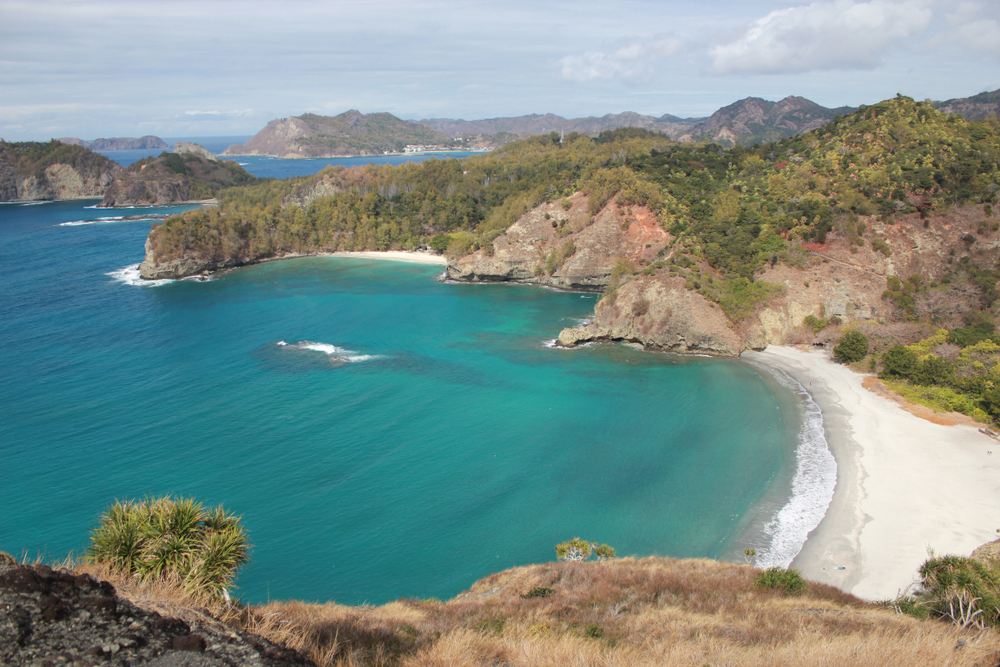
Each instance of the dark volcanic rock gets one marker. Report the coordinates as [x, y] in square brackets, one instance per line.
[54, 617]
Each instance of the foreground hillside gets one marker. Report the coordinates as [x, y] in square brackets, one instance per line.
[620, 612]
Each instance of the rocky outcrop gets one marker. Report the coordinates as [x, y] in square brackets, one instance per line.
[566, 248]
[182, 147]
[148, 142]
[128, 191]
[660, 314]
[153, 268]
[56, 617]
[56, 181]
[189, 173]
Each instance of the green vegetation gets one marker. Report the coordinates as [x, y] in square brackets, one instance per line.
[577, 550]
[205, 178]
[733, 213]
[167, 539]
[29, 158]
[355, 133]
[956, 370]
[853, 347]
[961, 590]
[778, 578]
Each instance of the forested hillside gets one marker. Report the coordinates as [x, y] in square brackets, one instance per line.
[739, 208]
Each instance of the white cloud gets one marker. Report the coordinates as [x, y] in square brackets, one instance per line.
[976, 28]
[634, 60]
[844, 34]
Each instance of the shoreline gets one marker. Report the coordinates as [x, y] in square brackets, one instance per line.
[410, 256]
[904, 485]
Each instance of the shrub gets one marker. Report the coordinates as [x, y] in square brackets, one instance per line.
[538, 592]
[577, 549]
[957, 589]
[899, 362]
[778, 578]
[163, 538]
[853, 346]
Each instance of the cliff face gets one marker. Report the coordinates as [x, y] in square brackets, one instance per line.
[566, 248]
[129, 190]
[662, 310]
[153, 268]
[660, 314]
[32, 171]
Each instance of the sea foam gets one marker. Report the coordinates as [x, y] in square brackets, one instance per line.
[130, 276]
[95, 221]
[812, 486]
[335, 353]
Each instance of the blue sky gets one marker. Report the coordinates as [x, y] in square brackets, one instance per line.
[103, 68]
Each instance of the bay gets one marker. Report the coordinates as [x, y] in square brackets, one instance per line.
[383, 434]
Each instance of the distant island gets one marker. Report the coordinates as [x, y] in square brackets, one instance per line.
[349, 134]
[148, 142]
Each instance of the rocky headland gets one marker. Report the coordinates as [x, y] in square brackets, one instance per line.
[32, 171]
[189, 173]
[673, 310]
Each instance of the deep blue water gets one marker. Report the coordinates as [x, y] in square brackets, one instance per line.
[429, 437]
[267, 167]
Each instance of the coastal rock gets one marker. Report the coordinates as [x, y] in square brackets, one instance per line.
[50, 617]
[152, 268]
[65, 173]
[182, 147]
[566, 247]
[126, 191]
[190, 173]
[660, 314]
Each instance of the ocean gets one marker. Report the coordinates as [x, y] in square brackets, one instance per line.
[383, 434]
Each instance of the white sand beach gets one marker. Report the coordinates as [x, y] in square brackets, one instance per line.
[904, 485]
[397, 256]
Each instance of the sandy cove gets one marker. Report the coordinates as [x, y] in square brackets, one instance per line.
[395, 255]
[904, 485]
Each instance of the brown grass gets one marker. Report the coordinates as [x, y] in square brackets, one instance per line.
[623, 612]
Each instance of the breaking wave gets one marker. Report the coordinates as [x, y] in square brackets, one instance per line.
[812, 486]
[332, 351]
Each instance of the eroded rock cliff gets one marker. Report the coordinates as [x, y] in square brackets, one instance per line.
[32, 171]
[566, 247]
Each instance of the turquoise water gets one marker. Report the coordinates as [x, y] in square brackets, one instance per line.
[383, 434]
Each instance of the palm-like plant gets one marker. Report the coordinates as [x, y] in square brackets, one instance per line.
[159, 538]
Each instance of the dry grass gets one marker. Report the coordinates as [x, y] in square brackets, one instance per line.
[623, 612]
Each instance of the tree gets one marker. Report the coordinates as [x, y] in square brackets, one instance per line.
[167, 539]
[853, 346]
[899, 362]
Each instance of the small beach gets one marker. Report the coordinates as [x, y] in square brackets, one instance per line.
[397, 256]
[905, 486]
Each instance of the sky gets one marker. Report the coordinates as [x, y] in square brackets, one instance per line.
[173, 68]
